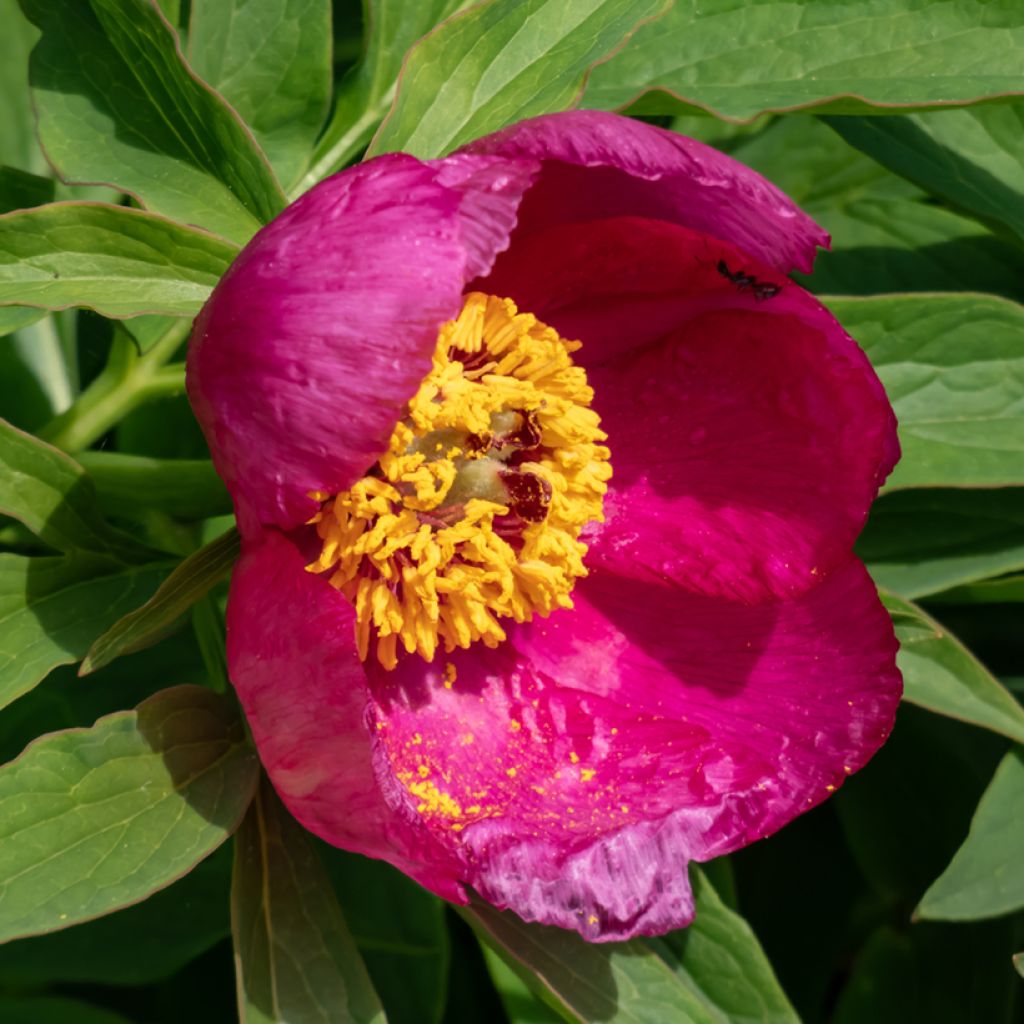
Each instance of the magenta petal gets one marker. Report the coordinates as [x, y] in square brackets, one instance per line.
[578, 768]
[596, 164]
[293, 662]
[312, 343]
[749, 435]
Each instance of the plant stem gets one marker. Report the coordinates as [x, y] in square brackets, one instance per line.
[128, 380]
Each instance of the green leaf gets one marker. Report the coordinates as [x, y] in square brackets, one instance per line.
[97, 819]
[52, 609]
[894, 245]
[184, 488]
[986, 876]
[296, 961]
[54, 1010]
[521, 1005]
[737, 61]
[135, 946]
[147, 625]
[272, 62]
[13, 318]
[501, 61]
[620, 982]
[920, 542]
[972, 158]
[953, 368]
[20, 190]
[116, 103]
[719, 957]
[50, 493]
[940, 674]
[1006, 590]
[18, 145]
[115, 260]
[364, 96]
[401, 931]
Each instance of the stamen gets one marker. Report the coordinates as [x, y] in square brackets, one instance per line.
[473, 514]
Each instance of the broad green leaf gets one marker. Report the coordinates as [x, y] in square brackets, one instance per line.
[1005, 590]
[613, 983]
[146, 331]
[272, 62]
[500, 61]
[50, 493]
[986, 876]
[737, 61]
[719, 957]
[52, 609]
[920, 542]
[92, 820]
[116, 103]
[54, 1010]
[953, 368]
[115, 260]
[296, 962]
[401, 931]
[971, 158]
[145, 626]
[883, 244]
[184, 488]
[364, 96]
[18, 145]
[135, 946]
[20, 190]
[13, 318]
[940, 674]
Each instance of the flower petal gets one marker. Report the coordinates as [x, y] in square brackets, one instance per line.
[580, 766]
[601, 164]
[293, 662]
[749, 433]
[323, 328]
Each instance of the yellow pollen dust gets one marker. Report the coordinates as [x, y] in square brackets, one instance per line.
[474, 512]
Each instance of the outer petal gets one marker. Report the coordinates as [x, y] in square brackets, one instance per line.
[292, 658]
[749, 435]
[579, 767]
[597, 164]
[323, 328]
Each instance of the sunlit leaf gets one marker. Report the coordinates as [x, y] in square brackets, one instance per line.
[972, 158]
[364, 96]
[117, 261]
[116, 103]
[500, 61]
[272, 62]
[96, 819]
[739, 60]
[953, 368]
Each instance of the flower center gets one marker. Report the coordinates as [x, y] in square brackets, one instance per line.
[474, 512]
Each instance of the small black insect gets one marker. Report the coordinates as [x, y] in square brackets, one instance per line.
[760, 289]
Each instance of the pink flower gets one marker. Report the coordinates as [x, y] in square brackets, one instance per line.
[725, 662]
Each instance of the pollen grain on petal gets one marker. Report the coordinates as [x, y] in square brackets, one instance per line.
[473, 515]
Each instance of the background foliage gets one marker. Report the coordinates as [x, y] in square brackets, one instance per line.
[141, 143]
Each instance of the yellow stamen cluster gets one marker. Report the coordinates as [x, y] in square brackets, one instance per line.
[438, 543]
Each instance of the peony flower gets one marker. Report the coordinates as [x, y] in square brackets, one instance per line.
[547, 477]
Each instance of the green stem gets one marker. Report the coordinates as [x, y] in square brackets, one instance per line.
[128, 380]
